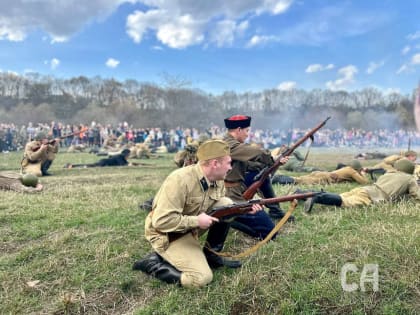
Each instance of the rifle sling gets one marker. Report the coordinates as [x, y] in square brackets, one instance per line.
[254, 248]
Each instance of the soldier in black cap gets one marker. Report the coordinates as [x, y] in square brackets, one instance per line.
[248, 161]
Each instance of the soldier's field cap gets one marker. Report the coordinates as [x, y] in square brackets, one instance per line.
[238, 121]
[404, 165]
[212, 149]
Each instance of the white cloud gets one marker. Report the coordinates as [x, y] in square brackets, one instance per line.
[112, 63]
[414, 36]
[179, 24]
[225, 32]
[54, 63]
[404, 68]
[405, 50]
[415, 60]
[260, 40]
[176, 24]
[373, 66]
[287, 86]
[316, 67]
[409, 67]
[347, 78]
[59, 19]
[275, 6]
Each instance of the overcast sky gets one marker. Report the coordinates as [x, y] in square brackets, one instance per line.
[218, 45]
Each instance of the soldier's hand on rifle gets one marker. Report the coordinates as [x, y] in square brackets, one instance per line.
[255, 208]
[205, 221]
[284, 160]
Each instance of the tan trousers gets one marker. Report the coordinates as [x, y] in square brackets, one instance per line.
[355, 197]
[186, 254]
[314, 178]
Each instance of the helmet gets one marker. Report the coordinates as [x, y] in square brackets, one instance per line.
[404, 165]
[29, 180]
[40, 135]
[356, 165]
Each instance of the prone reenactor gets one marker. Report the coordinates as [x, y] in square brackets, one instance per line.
[388, 163]
[354, 172]
[390, 187]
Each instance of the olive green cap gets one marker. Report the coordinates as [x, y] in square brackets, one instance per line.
[356, 165]
[212, 149]
[404, 165]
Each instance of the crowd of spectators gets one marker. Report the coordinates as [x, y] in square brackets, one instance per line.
[13, 137]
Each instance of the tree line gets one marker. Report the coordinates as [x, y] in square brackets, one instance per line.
[37, 98]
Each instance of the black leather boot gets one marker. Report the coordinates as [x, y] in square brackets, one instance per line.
[156, 266]
[274, 210]
[216, 237]
[323, 198]
[44, 168]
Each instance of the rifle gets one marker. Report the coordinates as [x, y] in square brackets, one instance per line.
[236, 209]
[266, 171]
[52, 141]
[373, 172]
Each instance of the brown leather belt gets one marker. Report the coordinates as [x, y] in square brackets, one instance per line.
[232, 184]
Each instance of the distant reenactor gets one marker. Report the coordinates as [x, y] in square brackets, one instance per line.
[188, 156]
[120, 159]
[390, 187]
[370, 156]
[295, 163]
[388, 163]
[27, 183]
[76, 148]
[351, 173]
[39, 155]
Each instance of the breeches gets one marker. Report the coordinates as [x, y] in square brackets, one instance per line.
[186, 255]
[257, 225]
[355, 197]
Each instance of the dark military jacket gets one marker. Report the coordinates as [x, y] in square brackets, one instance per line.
[245, 158]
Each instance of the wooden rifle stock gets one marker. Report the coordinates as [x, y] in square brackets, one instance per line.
[245, 207]
[263, 175]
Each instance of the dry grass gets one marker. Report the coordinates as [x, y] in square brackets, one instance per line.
[69, 250]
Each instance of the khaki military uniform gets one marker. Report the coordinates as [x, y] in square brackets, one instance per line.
[34, 156]
[76, 148]
[187, 156]
[417, 172]
[245, 158]
[388, 163]
[12, 181]
[345, 174]
[172, 226]
[389, 187]
[140, 150]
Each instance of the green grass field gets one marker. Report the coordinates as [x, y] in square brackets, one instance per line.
[69, 250]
